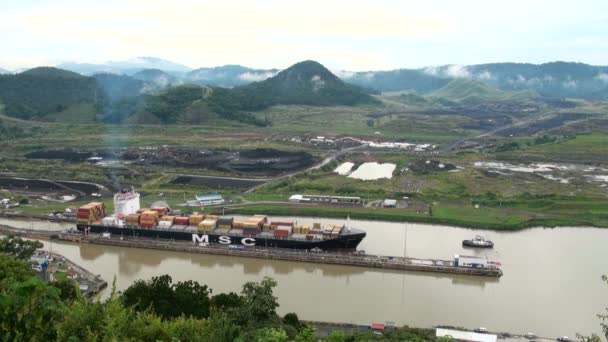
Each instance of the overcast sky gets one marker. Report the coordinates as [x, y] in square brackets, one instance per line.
[349, 35]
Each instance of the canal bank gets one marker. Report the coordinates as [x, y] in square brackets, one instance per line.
[551, 284]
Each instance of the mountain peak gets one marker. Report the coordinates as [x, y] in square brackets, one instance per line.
[307, 71]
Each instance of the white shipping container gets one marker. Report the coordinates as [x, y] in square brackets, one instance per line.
[109, 221]
[470, 261]
[165, 224]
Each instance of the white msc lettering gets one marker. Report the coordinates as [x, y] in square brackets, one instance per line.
[225, 240]
[200, 239]
[248, 241]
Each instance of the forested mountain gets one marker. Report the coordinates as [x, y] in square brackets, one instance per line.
[557, 79]
[41, 91]
[4, 71]
[306, 82]
[50, 93]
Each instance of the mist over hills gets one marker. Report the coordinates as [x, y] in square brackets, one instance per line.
[154, 96]
[555, 79]
[127, 67]
[228, 75]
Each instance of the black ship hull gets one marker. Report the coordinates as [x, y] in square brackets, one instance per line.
[469, 243]
[347, 241]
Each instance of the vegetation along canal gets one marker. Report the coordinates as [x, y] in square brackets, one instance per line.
[525, 298]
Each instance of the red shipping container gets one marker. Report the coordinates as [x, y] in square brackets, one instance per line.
[308, 237]
[184, 221]
[250, 232]
[279, 223]
[281, 233]
[161, 211]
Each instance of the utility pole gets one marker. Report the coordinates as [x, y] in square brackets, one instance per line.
[405, 241]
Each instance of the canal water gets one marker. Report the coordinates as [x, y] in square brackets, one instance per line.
[551, 284]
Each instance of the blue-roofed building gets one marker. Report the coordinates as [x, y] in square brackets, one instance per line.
[210, 199]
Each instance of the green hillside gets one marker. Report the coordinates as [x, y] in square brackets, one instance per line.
[468, 90]
[41, 91]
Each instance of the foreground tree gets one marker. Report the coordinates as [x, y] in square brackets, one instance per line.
[12, 269]
[19, 248]
[30, 311]
[260, 304]
[167, 299]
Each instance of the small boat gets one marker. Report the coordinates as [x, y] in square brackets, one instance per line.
[478, 242]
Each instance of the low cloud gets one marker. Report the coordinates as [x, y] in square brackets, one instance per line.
[457, 71]
[569, 84]
[453, 70]
[256, 76]
[486, 75]
[317, 83]
[602, 77]
[343, 73]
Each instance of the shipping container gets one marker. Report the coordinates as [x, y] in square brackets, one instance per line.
[206, 227]
[140, 211]
[281, 233]
[309, 236]
[109, 221]
[195, 219]
[211, 217]
[237, 223]
[165, 224]
[91, 212]
[181, 220]
[316, 225]
[224, 225]
[225, 219]
[282, 223]
[132, 219]
[161, 211]
[167, 218]
[236, 231]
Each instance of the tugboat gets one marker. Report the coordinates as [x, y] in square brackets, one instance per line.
[478, 242]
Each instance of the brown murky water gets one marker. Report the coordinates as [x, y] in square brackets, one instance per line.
[551, 283]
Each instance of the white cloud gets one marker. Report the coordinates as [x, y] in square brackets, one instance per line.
[317, 82]
[570, 84]
[343, 73]
[453, 70]
[486, 75]
[256, 76]
[602, 77]
[457, 71]
[431, 71]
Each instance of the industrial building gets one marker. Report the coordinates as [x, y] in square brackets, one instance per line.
[210, 199]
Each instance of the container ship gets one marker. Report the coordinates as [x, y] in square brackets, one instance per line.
[129, 220]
